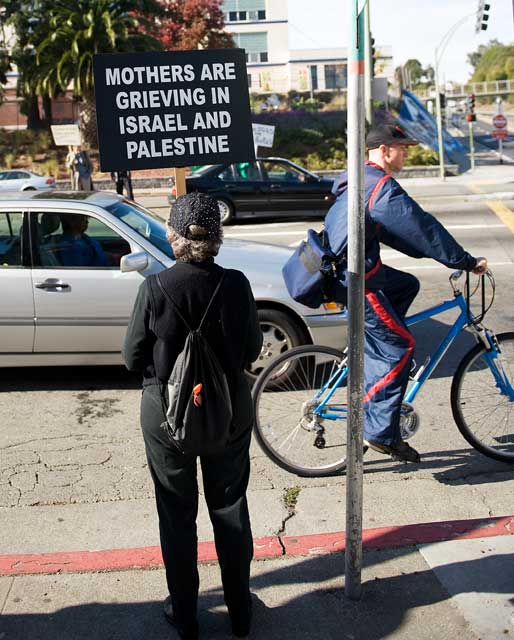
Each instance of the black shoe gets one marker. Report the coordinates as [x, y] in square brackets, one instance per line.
[185, 634]
[398, 451]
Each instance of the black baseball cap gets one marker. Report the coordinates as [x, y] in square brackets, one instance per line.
[195, 208]
[388, 134]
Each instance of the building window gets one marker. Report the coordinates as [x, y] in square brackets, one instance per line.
[335, 76]
[255, 45]
[249, 76]
[244, 10]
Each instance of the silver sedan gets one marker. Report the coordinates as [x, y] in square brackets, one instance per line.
[23, 180]
[68, 303]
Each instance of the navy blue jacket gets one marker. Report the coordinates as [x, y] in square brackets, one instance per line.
[396, 220]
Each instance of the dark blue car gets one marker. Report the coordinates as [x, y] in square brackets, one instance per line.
[265, 187]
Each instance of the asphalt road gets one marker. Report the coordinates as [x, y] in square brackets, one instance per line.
[483, 135]
[70, 436]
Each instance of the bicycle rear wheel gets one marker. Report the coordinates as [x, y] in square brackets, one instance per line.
[289, 425]
[482, 399]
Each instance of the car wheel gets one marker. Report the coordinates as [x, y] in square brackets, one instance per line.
[280, 333]
[226, 210]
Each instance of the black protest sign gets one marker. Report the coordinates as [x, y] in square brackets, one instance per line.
[172, 109]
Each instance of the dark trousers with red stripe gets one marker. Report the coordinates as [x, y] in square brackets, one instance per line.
[388, 349]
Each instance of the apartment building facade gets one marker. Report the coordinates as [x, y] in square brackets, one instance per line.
[261, 27]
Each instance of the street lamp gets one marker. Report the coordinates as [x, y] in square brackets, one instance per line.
[439, 50]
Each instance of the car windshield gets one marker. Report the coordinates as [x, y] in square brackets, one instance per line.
[144, 222]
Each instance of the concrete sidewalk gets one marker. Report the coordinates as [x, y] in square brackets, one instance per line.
[453, 582]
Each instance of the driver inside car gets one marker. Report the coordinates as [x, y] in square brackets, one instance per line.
[74, 247]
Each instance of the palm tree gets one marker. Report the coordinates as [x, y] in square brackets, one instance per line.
[78, 29]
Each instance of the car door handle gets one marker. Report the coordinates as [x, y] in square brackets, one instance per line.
[52, 283]
[275, 187]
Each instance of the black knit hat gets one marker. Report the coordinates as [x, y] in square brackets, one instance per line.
[388, 134]
[195, 209]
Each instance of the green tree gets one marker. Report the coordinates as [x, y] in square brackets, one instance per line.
[493, 62]
[192, 24]
[71, 32]
[417, 76]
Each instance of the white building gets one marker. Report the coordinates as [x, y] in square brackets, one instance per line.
[261, 28]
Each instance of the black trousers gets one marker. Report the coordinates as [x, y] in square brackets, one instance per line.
[225, 480]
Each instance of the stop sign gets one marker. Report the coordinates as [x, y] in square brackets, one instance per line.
[499, 121]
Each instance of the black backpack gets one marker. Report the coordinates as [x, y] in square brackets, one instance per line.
[199, 411]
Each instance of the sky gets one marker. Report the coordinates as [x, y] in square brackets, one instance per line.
[414, 28]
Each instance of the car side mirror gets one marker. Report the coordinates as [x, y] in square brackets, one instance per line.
[137, 261]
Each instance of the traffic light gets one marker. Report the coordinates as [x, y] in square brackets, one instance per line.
[372, 54]
[482, 16]
[470, 104]
[442, 103]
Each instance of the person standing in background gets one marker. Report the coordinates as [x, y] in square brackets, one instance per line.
[70, 156]
[123, 180]
[83, 168]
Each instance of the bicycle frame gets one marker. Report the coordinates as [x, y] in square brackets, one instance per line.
[425, 371]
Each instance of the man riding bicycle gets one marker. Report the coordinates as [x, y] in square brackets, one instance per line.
[394, 218]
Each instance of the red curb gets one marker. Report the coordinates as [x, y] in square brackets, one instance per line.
[270, 547]
[402, 536]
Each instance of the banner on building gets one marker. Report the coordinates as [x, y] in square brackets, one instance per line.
[172, 109]
[66, 135]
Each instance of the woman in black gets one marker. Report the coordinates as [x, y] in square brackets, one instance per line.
[156, 335]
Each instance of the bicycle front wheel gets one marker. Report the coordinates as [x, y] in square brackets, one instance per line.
[482, 398]
[300, 417]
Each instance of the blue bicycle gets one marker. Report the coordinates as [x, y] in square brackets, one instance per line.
[300, 398]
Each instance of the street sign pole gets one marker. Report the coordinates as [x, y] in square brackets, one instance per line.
[368, 66]
[354, 469]
[471, 146]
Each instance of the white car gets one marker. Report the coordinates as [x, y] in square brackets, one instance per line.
[69, 304]
[23, 180]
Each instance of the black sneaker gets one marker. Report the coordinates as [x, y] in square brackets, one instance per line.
[185, 634]
[398, 451]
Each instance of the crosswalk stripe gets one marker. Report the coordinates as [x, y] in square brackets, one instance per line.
[303, 232]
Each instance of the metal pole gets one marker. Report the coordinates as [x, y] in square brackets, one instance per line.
[368, 66]
[355, 129]
[471, 146]
[438, 55]
[440, 146]
[500, 149]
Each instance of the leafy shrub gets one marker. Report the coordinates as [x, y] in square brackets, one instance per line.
[8, 160]
[420, 155]
[50, 167]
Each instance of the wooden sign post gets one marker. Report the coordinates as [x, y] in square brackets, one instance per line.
[180, 181]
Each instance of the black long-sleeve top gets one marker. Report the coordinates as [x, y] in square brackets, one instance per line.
[156, 334]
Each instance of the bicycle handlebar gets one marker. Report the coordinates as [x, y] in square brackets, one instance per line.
[468, 293]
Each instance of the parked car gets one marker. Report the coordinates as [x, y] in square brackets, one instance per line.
[266, 187]
[63, 307]
[23, 180]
